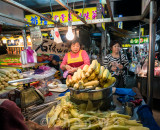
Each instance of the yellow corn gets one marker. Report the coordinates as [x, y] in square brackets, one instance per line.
[105, 74]
[116, 127]
[98, 88]
[85, 80]
[50, 114]
[79, 74]
[89, 87]
[83, 76]
[92, 83]
[101, 72]
[55, 116]
[120, 115]
[85, 68]
[109, 77]
[76, 86]
[98, 68]
[92, 76]
[74, 113]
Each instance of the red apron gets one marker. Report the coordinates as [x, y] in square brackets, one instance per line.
[75, 62]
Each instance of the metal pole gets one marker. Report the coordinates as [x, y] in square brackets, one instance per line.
[151, 55]
[139, 42]
[24, 38]
[16, 19]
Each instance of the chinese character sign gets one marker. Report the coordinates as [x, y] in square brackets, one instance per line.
[50, 47]
[142, 40]
[89, 14]
[126, 45]
[120, 24]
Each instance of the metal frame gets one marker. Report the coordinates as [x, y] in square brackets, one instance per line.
[108, 20]
[152, 32]
[71, 10]
[109, 10]
[16, 19]
[31, 11]
[146, 11]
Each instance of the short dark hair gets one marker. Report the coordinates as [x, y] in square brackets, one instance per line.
[75, 40]
[112, 43]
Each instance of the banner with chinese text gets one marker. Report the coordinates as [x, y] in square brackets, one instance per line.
[136, 40]
[89, 14]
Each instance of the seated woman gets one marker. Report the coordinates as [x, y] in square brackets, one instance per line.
[55, 62]
[75, 59]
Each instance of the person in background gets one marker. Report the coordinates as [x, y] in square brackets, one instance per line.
[11, 117]
[3, 48]
[129, 55]
[55, 62]
[117, 63]
[75, 59]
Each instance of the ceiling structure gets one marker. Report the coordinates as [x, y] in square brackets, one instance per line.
[116, 7]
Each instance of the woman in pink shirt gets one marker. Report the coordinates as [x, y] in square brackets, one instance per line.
[75, 59]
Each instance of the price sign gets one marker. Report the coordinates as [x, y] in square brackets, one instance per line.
[36, 36]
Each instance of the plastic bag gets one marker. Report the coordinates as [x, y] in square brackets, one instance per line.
[138, 68]
[30, 57]
[57, 37]
[132, 67]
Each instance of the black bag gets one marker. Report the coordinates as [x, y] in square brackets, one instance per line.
[119, 81]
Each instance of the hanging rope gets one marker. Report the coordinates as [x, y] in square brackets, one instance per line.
[51, 8]
[83, 7]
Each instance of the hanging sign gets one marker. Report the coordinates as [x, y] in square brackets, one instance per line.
[88, 13]
[142, 40]
[126, 45]
[36, 36]
[120, 24]
[50, 47]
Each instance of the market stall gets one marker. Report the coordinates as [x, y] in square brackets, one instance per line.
[85, 105]
[91, 100]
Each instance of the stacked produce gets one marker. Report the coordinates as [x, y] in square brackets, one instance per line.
[75, 117]
[10, 60]
[6, 75]
[94, 76]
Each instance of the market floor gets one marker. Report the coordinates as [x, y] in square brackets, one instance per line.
[131, 82]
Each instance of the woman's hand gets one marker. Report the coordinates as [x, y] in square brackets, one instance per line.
[120, 66]
[113, 68]
[68, 67]
[72, 70]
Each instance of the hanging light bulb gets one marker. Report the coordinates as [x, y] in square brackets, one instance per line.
[29, 38]
[20, 39]
[70, 34]
[4, 40]
[12, 39]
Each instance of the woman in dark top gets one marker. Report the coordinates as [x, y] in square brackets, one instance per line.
[117, 63]
[55, 62]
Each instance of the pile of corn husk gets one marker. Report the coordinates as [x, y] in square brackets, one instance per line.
[75, 117]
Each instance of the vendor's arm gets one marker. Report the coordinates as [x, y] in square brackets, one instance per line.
[85, 59]
[64, 65]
